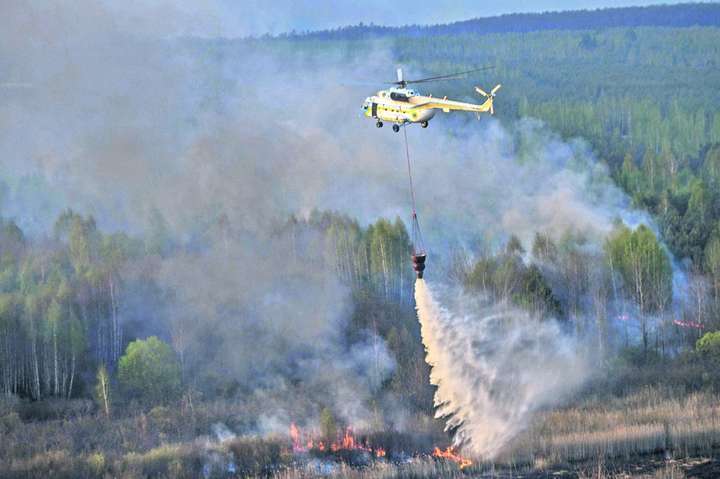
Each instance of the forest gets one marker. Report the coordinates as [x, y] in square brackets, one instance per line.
[684, 15]
[171, 352]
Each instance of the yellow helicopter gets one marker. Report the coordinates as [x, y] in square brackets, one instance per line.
[400, 105]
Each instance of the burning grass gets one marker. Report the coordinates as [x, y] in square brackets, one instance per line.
[597, 438]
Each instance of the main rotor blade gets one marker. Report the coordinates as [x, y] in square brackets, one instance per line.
[494, 90]
[448, 77]
[481, 91]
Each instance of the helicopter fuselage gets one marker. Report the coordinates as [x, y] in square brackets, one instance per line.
[403, 105]
[399, 106]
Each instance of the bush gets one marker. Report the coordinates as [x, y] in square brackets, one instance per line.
[56, 464]
[328, 425]
[149, 371]
[255, 456]
[172, 461]
[8, 404]
[55, 409]
[96, 463]
[9, 422]
[163, 419]
[709, 345]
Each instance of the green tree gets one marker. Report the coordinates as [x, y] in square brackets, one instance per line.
[644, 266]
[535, 294]
[645, 269]
[149, 371]
[629, 175]
[712, 264]
[544, 248]
[514, 247]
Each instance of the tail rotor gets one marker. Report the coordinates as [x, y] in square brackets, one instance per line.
[490, 96]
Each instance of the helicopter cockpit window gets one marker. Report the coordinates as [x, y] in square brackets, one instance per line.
[398, 96]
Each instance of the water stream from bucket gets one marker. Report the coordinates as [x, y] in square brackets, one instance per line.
[493, 367]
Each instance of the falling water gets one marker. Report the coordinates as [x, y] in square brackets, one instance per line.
[493, 366]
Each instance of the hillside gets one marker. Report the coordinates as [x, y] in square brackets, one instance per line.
[646, 99]
[682, 15]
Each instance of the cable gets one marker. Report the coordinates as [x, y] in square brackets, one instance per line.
[407, 156]
[417, 239]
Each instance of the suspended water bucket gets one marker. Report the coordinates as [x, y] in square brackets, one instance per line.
[419, 264]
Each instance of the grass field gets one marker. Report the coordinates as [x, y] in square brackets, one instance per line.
[651, 433]
[648, 422]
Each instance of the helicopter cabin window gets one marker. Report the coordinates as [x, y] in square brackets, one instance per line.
[398, 96]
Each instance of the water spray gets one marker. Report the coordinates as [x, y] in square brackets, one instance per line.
[493, 366]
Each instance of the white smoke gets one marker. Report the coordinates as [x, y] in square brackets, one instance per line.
[222, 433]
[493, 367]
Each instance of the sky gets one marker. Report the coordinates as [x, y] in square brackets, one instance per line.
[233, 18]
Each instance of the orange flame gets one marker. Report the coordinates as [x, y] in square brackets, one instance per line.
[452, 455]
[295, 437]
[304, 442]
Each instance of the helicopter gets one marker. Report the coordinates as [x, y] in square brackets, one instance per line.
[401, 105]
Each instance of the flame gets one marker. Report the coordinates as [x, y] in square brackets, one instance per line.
[688, 324]
[452, 455]
[304, 442]
[295, 437]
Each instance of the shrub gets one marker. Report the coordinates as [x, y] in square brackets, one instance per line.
[255, 456]
[55, 409]
[171, 460]
[163, 419]
[96, 463]
[8, 404]
[709, 345]
[149, 371]
[328, 425]
[9, 422]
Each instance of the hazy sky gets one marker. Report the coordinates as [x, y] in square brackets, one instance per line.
[252, 17]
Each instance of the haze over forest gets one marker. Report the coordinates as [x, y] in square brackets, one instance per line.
[205, 248]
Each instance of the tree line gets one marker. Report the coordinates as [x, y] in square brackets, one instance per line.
[59, 303]
[685, 15]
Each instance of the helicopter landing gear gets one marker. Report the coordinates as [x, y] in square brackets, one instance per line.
[378, 124]
[424, 124]
[396, 128]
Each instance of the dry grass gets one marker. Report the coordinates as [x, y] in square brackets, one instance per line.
[596, 439]
[650, 421]
[416, 469]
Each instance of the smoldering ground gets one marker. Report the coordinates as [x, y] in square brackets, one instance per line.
[217, 141]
